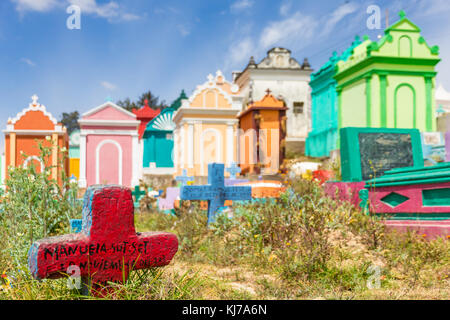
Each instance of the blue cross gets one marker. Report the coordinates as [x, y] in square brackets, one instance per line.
[184, 178]
[215, 192]
[233, 170]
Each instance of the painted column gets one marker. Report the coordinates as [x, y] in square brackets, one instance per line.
[368, 101]
[429, 103]
[383, 108]
[190, 145]
[135, 159]
[182, 148]
[82, 182]
[230, 143]
[339, 116]
[12, 149]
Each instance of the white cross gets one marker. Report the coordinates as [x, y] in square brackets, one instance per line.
[210, 77]
[35, 99]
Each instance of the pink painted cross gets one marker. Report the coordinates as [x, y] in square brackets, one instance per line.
[107, 248]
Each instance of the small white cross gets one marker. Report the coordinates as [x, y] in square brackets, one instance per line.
[35, 99]
[210, 77]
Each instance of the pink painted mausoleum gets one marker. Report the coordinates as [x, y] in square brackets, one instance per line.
[109, 146]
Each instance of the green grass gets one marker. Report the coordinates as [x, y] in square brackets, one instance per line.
[302, 246]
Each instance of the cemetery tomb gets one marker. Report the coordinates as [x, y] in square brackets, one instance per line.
[367, 153]
[107, 248]
[263, 137]
[158, 141]
[387, 83]
[289, 81]
[322, 139]
[22, 134]
[433, 147]
[109, 147]
[206, 126]
[413, 194]
[74, 154]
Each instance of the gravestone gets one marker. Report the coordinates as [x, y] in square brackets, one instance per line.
[167, 203]
[107, 248]
[138, 194]
[215, 192]
[433, 147]
[233, 170]
[184, 178]
[367, 153]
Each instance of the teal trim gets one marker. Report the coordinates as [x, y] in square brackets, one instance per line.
[415, 216]
[410, 176]
[414, 104]
[436, 197]
[394, 199]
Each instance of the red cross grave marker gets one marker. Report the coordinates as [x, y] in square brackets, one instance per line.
[107, 248]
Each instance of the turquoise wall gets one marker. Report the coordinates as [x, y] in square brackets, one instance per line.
[323, 137]
[158, 148]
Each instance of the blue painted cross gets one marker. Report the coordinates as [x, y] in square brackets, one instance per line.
[233, 169]
[215, 192]
[184, 178]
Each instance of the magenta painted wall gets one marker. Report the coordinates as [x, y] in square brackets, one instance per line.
[346, 191]
[108, 160]
[413, 205]
[428, 229]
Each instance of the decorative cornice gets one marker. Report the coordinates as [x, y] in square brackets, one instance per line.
[33, 106]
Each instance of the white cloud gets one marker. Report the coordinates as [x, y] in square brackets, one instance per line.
[184, 31]
[28, 62]
[108, 85]
[239, 53]
[35, 5]
[339, 14]
[294, 28]
[285, 7]
[109, 10]
[241, 5]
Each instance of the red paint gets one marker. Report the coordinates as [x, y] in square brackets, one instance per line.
[323, 175]
[110, 243]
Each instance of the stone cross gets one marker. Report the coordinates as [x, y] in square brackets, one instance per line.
[215, 192]
[35, 99]
[107, 248]
[137, 193]
[184, 178]
[233, 169]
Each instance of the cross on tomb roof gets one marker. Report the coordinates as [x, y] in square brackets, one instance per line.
[35, 99]
[107, 248]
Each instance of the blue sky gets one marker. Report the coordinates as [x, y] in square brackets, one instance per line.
[127, 47]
